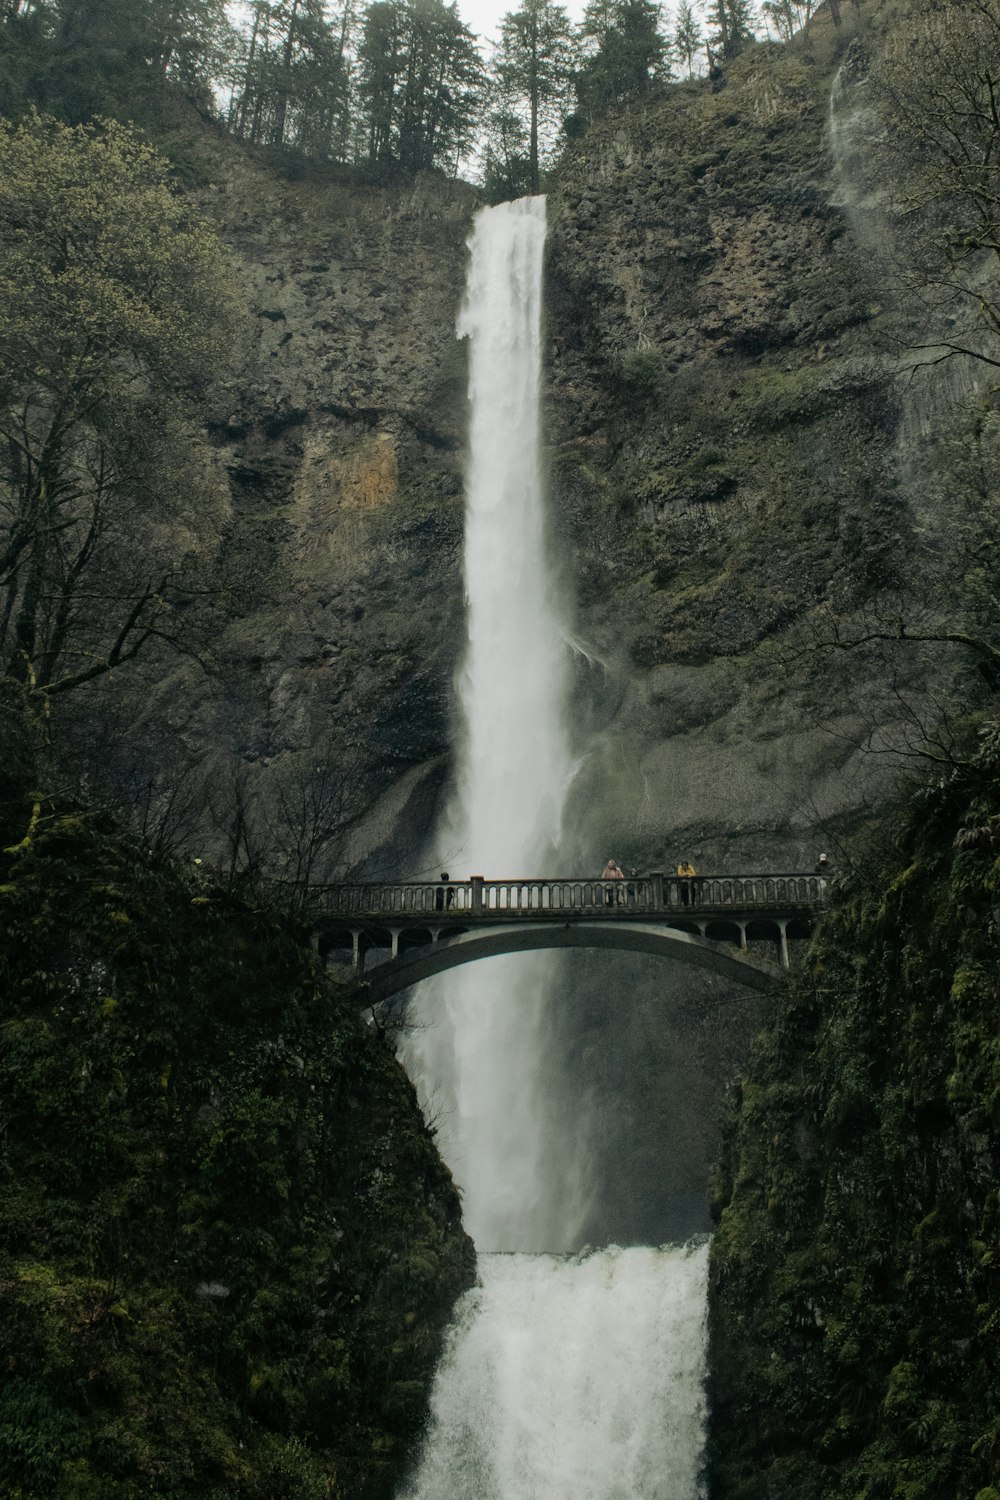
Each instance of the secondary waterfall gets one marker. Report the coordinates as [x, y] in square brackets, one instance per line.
[565, 1378]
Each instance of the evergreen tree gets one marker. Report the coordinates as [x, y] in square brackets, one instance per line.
[77, 58]
[533, 68]
[732, 23]
[787, 16]
[687, 35]
[506, 159]
[380, 65]
[624, 52]
[441, 86]
[419, 84]
[25, 32]
[294, 84]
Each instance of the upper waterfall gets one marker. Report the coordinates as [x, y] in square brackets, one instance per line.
[515, 761]
[480, 1052]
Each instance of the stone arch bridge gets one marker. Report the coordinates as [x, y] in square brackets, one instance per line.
[741, 926]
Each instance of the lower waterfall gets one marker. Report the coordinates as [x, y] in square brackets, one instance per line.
[572, 1380]
[566, 1377]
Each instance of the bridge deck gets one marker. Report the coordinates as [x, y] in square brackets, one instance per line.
[458, 903]
[694, 919]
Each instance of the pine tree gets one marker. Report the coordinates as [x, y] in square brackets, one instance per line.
[624, 52]
[419, 83]
[293, 85]
[687, 35]
[733, 27]
[506, 162]
[533, 69]
[788, 16]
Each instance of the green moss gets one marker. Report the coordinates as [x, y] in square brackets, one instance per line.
[785, 398]
[855, 1267]
[227, 1245]
[640, 371]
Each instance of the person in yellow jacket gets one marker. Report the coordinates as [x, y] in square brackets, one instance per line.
[685, 874]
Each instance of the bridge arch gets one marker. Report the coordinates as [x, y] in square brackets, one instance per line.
[659, 940]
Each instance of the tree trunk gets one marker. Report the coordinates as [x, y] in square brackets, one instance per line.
[281, 113]
[533, 95]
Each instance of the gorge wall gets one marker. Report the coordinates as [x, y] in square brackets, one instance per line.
[725, 411]
[229, 1247]
[854, 1270]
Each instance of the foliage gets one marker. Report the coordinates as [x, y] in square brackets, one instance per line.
[419, 81]
[687, 37]
[228, 1246]
[79, 60]
[733, 25]
[624, 53]
[533, 69]
[641, 370]
[855, 1270]
[788, 16]
[290, 79]
[380, 85]
[115, 303]
[938, 84]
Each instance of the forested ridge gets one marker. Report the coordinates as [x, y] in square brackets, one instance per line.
[389, 86]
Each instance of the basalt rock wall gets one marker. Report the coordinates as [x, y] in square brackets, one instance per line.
[731, 476]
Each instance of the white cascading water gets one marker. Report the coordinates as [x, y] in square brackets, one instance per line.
[573, 1380]
[479, 1049]
[564, 1378]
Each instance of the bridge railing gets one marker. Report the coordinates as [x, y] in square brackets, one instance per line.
[652, 893]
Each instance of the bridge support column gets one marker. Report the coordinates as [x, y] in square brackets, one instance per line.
[786, 962]
[395, 941]
[358, 953]
[743, 933]
[476, 895]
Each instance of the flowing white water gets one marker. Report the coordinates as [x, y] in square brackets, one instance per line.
[480, 1051]
[564, 1379]
[573, 1380]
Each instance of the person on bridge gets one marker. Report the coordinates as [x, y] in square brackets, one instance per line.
[686, 873]
[613, 871]
[446, 895]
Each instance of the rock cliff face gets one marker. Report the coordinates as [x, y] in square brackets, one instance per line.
[724, 445]
[343, 446]
[735, 462]
[337, 443]
[724, 436]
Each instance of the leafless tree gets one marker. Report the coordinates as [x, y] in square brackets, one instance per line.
[938, 86]
[313, 800]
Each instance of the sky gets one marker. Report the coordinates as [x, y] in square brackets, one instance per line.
[484, 16]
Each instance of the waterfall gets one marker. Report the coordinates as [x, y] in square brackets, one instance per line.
[480, 1047]
[565, 1378]
[573, 1380]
